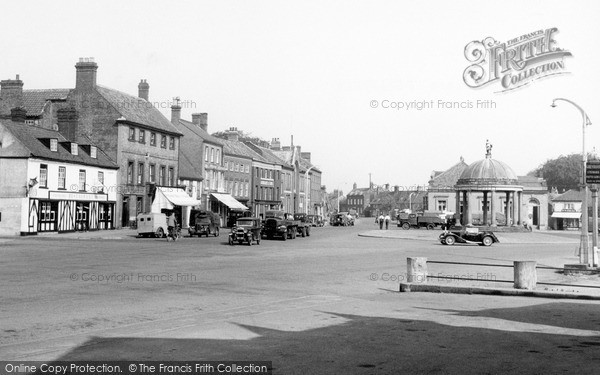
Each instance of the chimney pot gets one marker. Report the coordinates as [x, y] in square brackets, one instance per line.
[85, 73]
[143, 89]
[175, 112]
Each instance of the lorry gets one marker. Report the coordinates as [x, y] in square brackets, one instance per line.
[204, 222]
[303, 225]
[278, 223]
[429, 220]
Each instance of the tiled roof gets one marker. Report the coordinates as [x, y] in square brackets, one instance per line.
[190, 151]
[359, 191]
[197, 131]
[572, 196]
[35, 140]
[35, 100]
[289, 155]
[448, 178]
[137, 110]
[236, 148]
[269, 155]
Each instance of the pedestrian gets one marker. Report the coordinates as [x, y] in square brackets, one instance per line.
[171, 222]
[381, 220]
[387, 221]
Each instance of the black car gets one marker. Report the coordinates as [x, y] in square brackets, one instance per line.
[469, 235]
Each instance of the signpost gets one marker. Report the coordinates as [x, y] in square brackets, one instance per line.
[592, 177]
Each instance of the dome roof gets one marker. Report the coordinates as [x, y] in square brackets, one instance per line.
[488, 172]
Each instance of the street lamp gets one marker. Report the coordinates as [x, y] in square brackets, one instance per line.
[584, 254]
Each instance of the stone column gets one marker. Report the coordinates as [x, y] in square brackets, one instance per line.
[520, 203]
[507, 208]
[469, 208]
[525, 275]
[465, 205]
[457, 211]
[512, 208]
[485, 209]
[492, 207]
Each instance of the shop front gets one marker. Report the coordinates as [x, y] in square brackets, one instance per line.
[174, 199]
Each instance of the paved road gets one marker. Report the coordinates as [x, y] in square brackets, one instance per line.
[323, 304]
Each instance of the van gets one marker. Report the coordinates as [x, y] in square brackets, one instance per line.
[152, 224]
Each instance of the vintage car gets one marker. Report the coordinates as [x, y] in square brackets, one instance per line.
[204, 222]
[342, 219]
[246, 230]
[468, 235]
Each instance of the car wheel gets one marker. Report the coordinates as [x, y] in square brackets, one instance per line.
[217, 232]
[303, 232]
[406, 226]
[160, 233]
[430, 227]
[443, 242]
[487, 241]
[308, 232]
[450, 240]
[285, 236]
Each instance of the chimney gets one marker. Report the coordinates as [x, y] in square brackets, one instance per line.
[143, 89]
[305, 156]
[11, 94]
[68, 123]
[86, 73]
[203, 121]
[175, 111]
[299, 150]
[233, 134]
[18, 114]
[275, 144]
[354, 186]
[196, 118]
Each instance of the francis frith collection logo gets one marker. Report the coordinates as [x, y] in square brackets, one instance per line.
[515, 63]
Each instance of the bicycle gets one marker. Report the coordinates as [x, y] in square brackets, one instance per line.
[174, 235]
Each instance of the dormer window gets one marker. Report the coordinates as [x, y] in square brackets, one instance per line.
[74, 148]
[54, 144]
[93, 152]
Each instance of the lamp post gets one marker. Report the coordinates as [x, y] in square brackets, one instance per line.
[584, 250]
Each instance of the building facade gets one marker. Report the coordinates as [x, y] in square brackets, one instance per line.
[51, 184]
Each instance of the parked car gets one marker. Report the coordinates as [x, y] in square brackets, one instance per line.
[204, 222]
[303, 224]
[246, 229]
[280, 224]
[152, 224]
[341, 219]
[468, 235]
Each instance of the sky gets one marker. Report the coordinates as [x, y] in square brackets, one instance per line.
[330, 73]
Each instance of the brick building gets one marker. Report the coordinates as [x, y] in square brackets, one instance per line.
[133, 133]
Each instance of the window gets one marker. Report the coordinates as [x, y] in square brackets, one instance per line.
[101, 178]
[205, 153]
[247, 169]
[43, 175]
[212, 155]
[171, 143]
[441, 206]
[161, 175]
[152, 139]
[130, 172]
[152, 173]
[74, 148]
[231, 166]
[132, 134]
[82, 180]
[163, 141]
[54, 144]
[140, 173]
[62, 176]
[237, 167]
[93, 152]
[171, 177]
[142, 136]
[218, 156]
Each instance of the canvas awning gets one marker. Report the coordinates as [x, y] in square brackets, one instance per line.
[229, 201]
[567, 215]
[168, 198]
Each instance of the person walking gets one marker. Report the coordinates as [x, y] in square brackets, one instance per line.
[381, 220]
[387, 221]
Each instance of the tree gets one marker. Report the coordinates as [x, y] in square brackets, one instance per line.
[563, 173]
